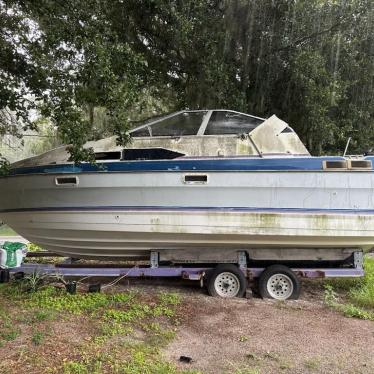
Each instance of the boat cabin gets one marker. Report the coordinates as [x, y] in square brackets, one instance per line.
[206, 133]
[192, 133]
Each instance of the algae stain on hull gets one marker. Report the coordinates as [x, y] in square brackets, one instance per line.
[269, 220]
[320, 222]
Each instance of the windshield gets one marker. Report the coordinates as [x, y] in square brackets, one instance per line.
[180, 124]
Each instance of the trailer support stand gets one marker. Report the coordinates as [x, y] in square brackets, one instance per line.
[242, 259]
[358, 259]
[154, 260]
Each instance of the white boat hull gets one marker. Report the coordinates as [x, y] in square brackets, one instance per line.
[124, 214]
[122, 234]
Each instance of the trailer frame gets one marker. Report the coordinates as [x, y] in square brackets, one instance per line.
[70, 268]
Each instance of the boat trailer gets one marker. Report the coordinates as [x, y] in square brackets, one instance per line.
[227, 280]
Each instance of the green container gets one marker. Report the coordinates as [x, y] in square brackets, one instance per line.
[11, 254]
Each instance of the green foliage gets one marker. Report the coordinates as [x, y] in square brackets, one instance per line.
[51, 298]
[147, 359]
[8, 331]
[109, 328]
[9, 334]
[4, 166]
[169, 298]
[312, 364]
[34, 281]
[360, 294]
[37, 337]
[74, 367]
[92, 68]
[116, 321]
[330, 295]
[350, 310]
[142, 359]
[43, 139]
[363, 294]
[31, 247]
[38, 315]
[246, 370]
[137, 312]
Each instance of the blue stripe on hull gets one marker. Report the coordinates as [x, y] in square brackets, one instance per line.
[189, 209]
[216, 164]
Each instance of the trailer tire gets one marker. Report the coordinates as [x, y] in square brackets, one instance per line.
[226, 280]
[279, 282]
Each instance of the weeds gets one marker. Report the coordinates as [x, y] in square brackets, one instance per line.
[350, 310]
[169, 298]
[37, 337]
[34, 281]
[363, 294]
[244, 370]
[141, 359]
[33, 247]
[58, 300]
[74, 367]
[111, 328]
[113, 315]
[330, 296]
[360, 294]
[312, 364]
[8, 331]
[9, 334]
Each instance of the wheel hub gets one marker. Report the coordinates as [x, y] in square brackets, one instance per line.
[227, 284]
[280, 286]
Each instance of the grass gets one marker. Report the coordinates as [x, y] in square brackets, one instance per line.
[143, 359]
[312, 364]
[359, 299]
[126, 330]
[247, 371]
[37, 337]
[363, 294]
[7, 231]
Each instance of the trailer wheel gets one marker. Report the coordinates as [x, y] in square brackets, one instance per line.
[279, 282]
[226, 280]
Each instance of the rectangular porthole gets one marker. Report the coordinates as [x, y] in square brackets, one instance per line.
[360, 164]
[66, 181]
[195, 179]
[335, 165]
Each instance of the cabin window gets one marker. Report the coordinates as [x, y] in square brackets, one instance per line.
[143, 132]
[187, 123]
[224, 122]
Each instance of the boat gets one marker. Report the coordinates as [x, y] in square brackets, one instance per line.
[192, 184]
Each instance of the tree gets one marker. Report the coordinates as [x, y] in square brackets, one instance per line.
[95, 66]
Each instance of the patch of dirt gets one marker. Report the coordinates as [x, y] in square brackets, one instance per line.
[302, 336]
